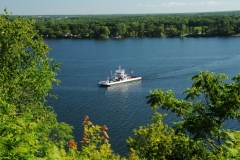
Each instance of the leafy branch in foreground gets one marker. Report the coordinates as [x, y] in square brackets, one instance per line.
[209, 103]
[27, 76]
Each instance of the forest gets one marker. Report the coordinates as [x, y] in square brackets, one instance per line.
[139, 25]
[29, 128]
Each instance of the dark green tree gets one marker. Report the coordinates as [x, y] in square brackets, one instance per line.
[121, 29]
[172, 32]
[102, 32]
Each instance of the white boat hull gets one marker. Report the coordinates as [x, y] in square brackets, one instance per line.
[108, 83]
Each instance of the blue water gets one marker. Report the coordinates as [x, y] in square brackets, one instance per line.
[166, 63]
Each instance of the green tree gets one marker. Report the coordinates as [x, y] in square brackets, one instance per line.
[133, 28]
[149, 28]
[121, 29]
[27, 75]
[158, 31]
[102, 32]
[158, 141]
[172, 32]
[20, 138]
[213, 102]
[183, 29]
[141, 29]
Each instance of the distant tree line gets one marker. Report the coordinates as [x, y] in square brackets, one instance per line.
[146, 25]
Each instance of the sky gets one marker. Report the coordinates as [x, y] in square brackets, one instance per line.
[96, 7]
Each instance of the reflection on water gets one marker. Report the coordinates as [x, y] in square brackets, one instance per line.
[124, 87]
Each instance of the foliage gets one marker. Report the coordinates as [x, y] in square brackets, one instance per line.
[121, 29]
[140, 25]
[213, 102]
[231, 149]
[95, 142]
[27, 75]
[157, 141]
[20, 138]
[173, 32]
[152, 141]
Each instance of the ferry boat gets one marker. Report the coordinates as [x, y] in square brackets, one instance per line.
[119, 77]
